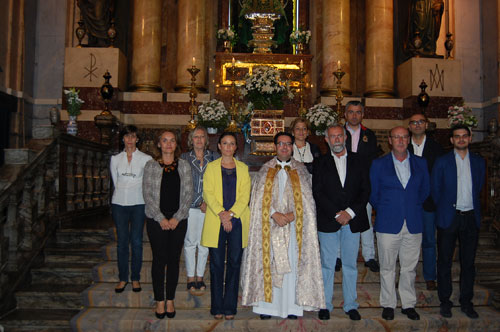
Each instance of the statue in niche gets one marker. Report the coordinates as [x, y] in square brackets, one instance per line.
[96, 15]
[423, 27]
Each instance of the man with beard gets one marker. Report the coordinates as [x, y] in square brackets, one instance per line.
[281, 273]
[400, 185]
[341, 189]
[457, 180]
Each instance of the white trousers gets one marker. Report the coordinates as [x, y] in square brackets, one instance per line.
[192, 241]
[407, 247]
[367, 243]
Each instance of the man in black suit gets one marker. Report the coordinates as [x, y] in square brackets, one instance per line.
[341, 189]
[424, 146]
[364, 142]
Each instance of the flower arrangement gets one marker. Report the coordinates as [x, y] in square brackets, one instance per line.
[227, 34]
[213, 114]
[264, 89]
[320, 116]
[74, 102]
[461, 115]
[299, 36]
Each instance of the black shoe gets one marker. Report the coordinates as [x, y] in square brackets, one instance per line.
[372, 265]
[388, 313]
[292, 317]
[353, 314]
[120, 290]
[411, 313]
[431, 285]
[338, 265]
[191, 285]
[324, 314]
[470, 312]
[160, 316]
[170, 314]
[445, 311]
[265, 317]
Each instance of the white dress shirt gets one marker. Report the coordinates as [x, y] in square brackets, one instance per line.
[341, 165]
[464, 183]
[355, 133]
[127, 177]
[403, 170]
[418, 150]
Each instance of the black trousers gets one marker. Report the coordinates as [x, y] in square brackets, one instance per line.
[464, 228]
[166, 247]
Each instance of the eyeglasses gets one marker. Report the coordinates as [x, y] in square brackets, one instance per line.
[417, 122]
[400, 137]
[283, 144]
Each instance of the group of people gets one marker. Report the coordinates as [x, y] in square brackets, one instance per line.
[302, 218]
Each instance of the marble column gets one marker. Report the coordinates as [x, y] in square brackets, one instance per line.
[146, 45]
[336, 45]
[190, 43]
[379, 58]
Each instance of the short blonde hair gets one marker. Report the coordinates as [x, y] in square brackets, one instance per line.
[191, 134]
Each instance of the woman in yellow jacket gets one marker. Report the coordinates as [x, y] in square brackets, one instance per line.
[226, 190]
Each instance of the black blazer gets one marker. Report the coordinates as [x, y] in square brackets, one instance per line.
[432, 150]
[331, 197]
[316, 153]
[367, 144]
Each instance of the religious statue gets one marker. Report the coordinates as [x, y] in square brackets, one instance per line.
[96, 15]
[423, 27]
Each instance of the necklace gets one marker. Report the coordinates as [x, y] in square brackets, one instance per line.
[301, 153]
[170, 167]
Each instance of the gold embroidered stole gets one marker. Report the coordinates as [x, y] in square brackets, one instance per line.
[266, 225]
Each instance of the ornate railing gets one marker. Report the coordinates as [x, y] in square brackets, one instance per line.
[69, 178]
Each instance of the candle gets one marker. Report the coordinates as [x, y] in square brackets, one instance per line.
[447, 16]
[194, 60]
[233, 61]
[338, 65]
[301, 64]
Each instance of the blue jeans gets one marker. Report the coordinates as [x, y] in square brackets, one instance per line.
[429, 246]
[129, 222]
[224, 298]
[349, 244]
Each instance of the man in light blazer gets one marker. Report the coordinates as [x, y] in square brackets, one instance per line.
[400, 185]
[457, 180]
[341, 189]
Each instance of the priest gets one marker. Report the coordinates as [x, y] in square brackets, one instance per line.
[281, 270]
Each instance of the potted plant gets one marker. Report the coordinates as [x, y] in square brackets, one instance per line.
[300, 39]
[74, 105]
[320, 116]
[264, 89]
[228, 38]
[461, 115]
[213, 115]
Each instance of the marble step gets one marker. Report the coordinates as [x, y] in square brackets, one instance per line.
[50, 297]
[108, 272]
[39, 320]
[81, 236]
[69, 253]
[487, 239]
[63, 273]
[103, 295]
[128, 320]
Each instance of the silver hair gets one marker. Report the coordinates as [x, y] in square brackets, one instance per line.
[191, 134]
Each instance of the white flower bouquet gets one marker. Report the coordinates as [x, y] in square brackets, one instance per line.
[264, 89]
[74, 102]
[299, 36]
[213, 114]
[226, 34]
[320, 116]
[461, 115]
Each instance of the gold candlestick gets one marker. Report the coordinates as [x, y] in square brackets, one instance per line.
[302, 72]
[233, 126]
[339, 96]
[193, 93]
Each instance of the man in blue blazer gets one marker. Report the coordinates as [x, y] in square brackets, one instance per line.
[457, 180]
[400, 184]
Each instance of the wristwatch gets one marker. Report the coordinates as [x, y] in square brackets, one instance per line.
[231, 214]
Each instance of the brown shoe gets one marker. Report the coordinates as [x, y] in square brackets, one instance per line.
[431, 285]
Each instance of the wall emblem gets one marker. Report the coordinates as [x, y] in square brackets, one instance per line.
[92, 68]
[437, 78]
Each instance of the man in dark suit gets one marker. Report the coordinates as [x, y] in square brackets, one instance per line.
[341, 189]
[400, 185]
[364, 142]
[424, 146]
[457, 180]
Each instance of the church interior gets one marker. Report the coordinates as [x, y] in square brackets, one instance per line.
[154, 63]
